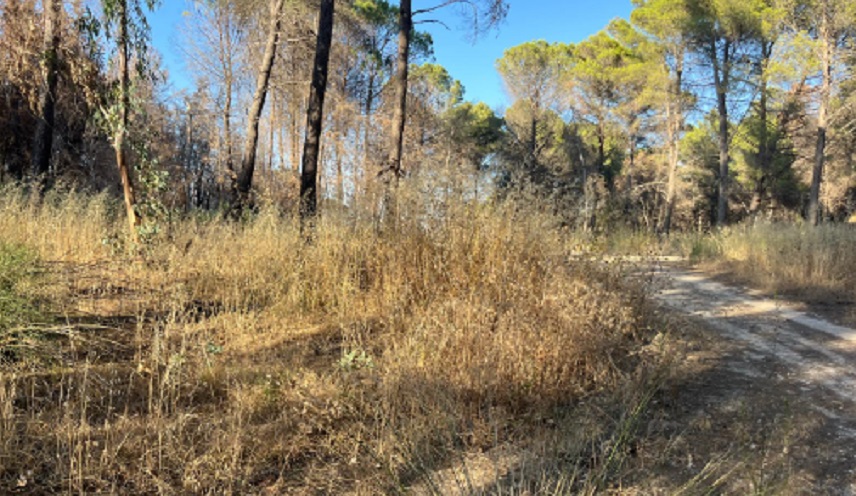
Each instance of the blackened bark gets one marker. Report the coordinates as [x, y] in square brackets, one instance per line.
[721, 74]
[314, 112]
[43, 141]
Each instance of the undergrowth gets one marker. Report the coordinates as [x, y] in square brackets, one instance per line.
[238, 358]
[17, 268]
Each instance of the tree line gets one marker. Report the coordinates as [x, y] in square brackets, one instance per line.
[689, 114]
[693, 112]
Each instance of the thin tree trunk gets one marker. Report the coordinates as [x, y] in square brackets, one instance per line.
[764, 151]
[226, 61]
[121, 129]
[405, 28]
[248, 161]
[314, 112]
[43, 141]
[721, 75]
[674, 124]
[822, 116]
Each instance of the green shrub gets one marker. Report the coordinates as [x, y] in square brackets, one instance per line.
[18, 265]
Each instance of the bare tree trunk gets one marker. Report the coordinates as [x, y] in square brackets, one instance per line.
[405, 28]
[226, 61]
[315, 112]
[675, 123]
[720, 75]
[764, 152]
[248, 160]
[822, 116]
[119, 137]
[43, 141]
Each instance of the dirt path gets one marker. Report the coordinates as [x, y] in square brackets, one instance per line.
[768, 395]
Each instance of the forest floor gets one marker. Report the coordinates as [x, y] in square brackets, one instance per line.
[763, 400]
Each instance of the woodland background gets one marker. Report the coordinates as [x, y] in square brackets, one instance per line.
[689, 114]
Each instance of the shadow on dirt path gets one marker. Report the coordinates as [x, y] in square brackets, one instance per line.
[764, 401]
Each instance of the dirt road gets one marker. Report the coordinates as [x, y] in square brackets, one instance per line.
[766, 403]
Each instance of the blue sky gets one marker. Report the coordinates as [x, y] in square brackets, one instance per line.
[472, 63]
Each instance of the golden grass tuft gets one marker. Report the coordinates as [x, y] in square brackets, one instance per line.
[238, 358]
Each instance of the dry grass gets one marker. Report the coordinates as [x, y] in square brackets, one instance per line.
[816, 265]
[795, 260]
[238, 359]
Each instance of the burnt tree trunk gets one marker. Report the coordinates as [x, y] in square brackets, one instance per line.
[43, 141]
[721, 76]
[314, 112]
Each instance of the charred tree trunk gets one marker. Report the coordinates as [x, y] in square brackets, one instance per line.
[721, 76]
[314, 112]
[43, 141]
[251, 141]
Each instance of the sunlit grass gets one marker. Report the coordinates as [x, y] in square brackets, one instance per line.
[797, 260]
[240, 357]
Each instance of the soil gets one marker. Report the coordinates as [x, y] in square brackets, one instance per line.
[762, 401]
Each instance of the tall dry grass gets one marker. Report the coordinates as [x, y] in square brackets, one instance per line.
[816, 264]
[238, 358]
